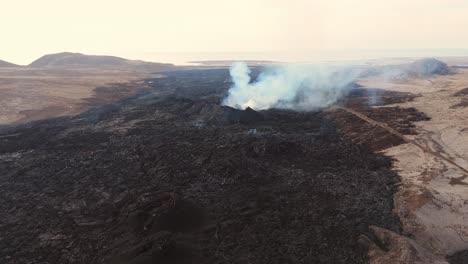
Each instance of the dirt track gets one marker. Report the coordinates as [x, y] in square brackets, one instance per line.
[441, 154]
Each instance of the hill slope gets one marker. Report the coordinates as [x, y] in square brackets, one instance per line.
[7, 64]
[428, 67]
[70, 60]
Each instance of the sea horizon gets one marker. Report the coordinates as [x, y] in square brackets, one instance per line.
[361, 56]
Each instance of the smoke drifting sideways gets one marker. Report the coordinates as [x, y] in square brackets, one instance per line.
[295, 87]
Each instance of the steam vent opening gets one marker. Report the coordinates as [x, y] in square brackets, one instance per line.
[219, 114]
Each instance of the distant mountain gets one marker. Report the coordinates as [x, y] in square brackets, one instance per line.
[7, 64]
[68, 60]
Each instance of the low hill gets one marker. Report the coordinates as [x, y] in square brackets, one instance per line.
[7, 64]
[426, 67]
[70, 60]
[429, 67]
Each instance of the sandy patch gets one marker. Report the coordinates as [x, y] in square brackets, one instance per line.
[433, 199]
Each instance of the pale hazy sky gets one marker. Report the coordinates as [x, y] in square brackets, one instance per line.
[31, 28]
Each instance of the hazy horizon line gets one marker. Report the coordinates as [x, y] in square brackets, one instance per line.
[333, 54]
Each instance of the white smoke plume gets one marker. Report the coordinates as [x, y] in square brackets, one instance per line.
[294, 86]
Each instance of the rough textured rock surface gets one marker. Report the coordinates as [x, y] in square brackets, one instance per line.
[162, 178]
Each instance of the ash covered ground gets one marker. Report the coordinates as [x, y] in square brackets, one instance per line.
[170, 176]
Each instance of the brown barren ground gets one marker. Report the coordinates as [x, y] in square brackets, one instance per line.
[28, 94]
[431, 201]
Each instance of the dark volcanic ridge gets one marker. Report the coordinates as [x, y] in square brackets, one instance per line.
[171, 176]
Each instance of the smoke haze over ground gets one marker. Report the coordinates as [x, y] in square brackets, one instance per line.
[292, 86]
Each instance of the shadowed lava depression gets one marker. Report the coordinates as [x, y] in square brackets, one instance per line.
[174, 177]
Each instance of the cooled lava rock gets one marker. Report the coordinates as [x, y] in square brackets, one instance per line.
[138, 182]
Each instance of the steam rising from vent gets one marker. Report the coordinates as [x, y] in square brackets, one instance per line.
[296, 87]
